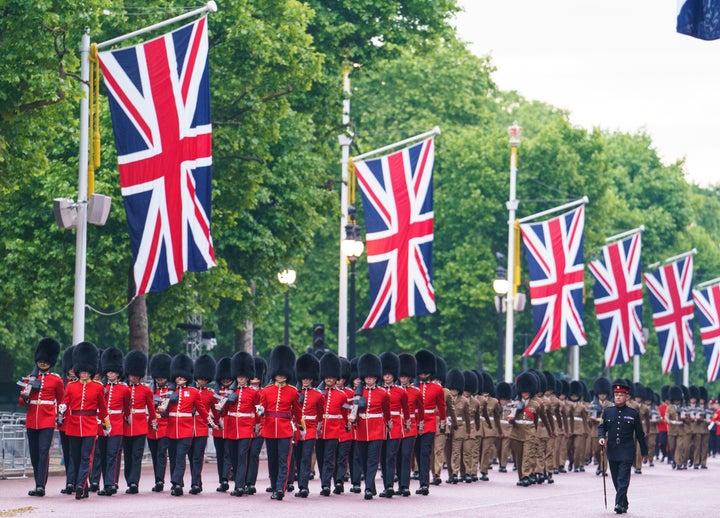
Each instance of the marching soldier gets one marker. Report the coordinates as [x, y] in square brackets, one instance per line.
[471, 445]
[602, 390]
[68, 376]
[619, 430]
[654, 420]
[157, 438]
[282, 416]
[141, 419]
[400, 416]
[563, 453]
[42, 392]
[224, 391]
[697, 420]
[83, 407]
[637, 394]
[577, 419]
[675, 425]
[703, 422]
[346, 438]
[455, 383]
[554, 415]
[406, 373]
[307, 370]
[204, 374]
[504, 394]
[490, 430]
[256, 383]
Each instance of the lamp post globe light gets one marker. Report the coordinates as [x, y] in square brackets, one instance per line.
[352, 248]
[287, 277]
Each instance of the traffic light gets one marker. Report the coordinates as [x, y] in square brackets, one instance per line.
[318, 343]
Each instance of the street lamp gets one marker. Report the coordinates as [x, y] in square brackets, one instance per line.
[514, 133]
[501, 286]
[287, 277]
[352, 248]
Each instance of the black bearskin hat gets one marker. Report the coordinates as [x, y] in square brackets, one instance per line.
[471, 382]
[307, 366]
[550, 381]
[344, 368]
[85, 358]
[665, 392]
[675, 393]
[541, 380]
[330, 366]
[390, 364]
[455, 380]
[440, 369]
[135, 363]
[526, 382]
[369, 365]
[223, 370]
[242, 364]
[408, 365]
[260, 368]
[282, 362]
[703, 393]
[426, 362]
[686, 393]
[504, 390]
[160, 365]
[112, 361]
[205, 367]
[649, 394]
[602, 386]
[181, 366]
[638, 389]
[47, 350]
[694, 392]
[576, 389]
[565, 390]
[353, 370]
[99, 362]
[67, 363]
[486, 384]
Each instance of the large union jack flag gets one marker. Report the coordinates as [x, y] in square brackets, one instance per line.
[618, 300]
[159, 95]
[707, 300]
[670, 288]
[554, 251]
[397, 195]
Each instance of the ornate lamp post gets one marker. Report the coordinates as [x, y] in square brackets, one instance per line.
[501, 286]
[287, 277]
[352, 248]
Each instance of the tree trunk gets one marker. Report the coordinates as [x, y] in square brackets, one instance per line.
[137, 319]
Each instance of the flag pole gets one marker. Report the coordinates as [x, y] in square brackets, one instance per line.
[559, 208]
[711, 282]
[673, 258]
[621, 235]
[421, 136]
[345, 140]
[209, 7]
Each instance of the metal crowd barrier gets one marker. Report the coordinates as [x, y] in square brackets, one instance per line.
[13, 448]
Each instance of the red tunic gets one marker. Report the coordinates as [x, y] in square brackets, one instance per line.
[258, 419]
[415, 404]
[220, 431]
[86, 406]
[162, 420]
[181, 421]
[335, 412]
[399, 410]
[349, 434]
[141, 405]
[372, 421]
[433, 397]
[239, 418]
[282, 411]
[312, 413]
[117, 397]
[207, 396]
[42, 403]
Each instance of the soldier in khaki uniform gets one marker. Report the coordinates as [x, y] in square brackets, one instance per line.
[696, 414]
[455, 383]
[653, 427]
[504, 394]
[675, 426]
[534, 461]
[471, 445]
[489, 425]
[705, 420]
[602, 389]
[563, 446]
[577, 419]
[638, 392]
[440, 455]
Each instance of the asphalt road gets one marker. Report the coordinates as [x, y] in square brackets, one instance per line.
[658, 492]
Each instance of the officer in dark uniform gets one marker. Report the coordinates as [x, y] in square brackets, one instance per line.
[619, 428]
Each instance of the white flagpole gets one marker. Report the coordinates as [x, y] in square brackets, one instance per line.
[621, 235]
[705, 284]
[559, 208]
[421, 136]
[673, 258]
[345, 142]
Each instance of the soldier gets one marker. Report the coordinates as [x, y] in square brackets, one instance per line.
[471, 444]
[224, 390]
[346, 438]
[696, 416]
[563, 451]
[312, 402]
[334, 420]
[42, 392]
[257, 441]
[554, 415]
[504, 394]
[406, 373]
[637, 394]
[282, 416]
[142, 418]
[434, 412]
[373, 419]
[490, 429]
[68, 376]
[577, 419]
[455, 383]
[537, 444]
[619, 430]
[663, 427]
[602, 390]
[83, 407]
[703, 423]
[400, 416]
[675, 424]
[157, 439]
[204, 374]
[117, 396]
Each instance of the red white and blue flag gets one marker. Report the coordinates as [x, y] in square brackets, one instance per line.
[707, 300]
[397, 194]
[159, 94]
[670, 289]
[618, 300]
[554, 251]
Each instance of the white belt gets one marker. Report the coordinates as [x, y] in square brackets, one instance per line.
[431, 411]
[114, 412]
[180, 414]
[41, 402]
[413, 415]
[578, 418]
[370, 416]
[332, 416]
[138, 410]
[395, 412]
[524, 421]
[676, 422]
[458, 418]
[502, 421]
[310, 417]
[241, 414]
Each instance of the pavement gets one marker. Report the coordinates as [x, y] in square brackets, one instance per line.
[659, 492]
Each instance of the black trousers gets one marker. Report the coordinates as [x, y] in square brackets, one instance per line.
[423, 454]
[39, 442]
[303, 458]
[256, 444]
[111, 465]
[389, 454]
[404, 462]
[81, 457]
[326, 451]
[341, 462]
[356, 464]
[620, 473]
[159, 453]
[98, 460]
[197, 459]
[180, 449]
[279, 452]
[133, 449]
[370, 456]
[65, 444]
[223, 459]
[238, 451]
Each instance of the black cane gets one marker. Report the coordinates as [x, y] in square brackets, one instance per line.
[602, 469]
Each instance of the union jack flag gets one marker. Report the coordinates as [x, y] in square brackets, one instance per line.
[554, 251]
[707, 301]
[159, 94]
[397, 195]
[670, 288]
[618, 300]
